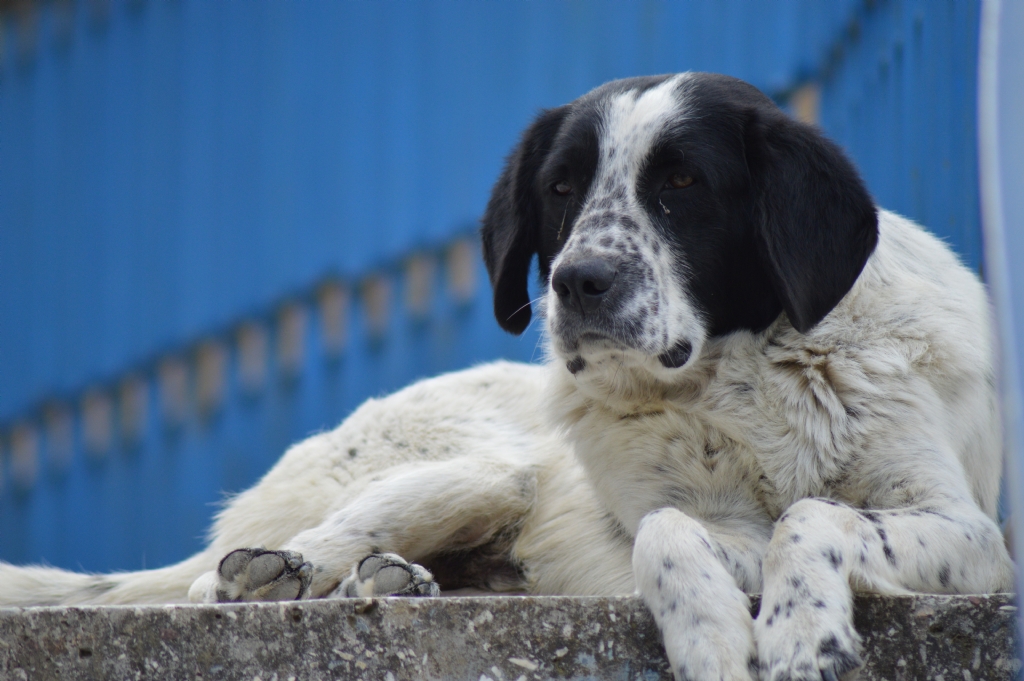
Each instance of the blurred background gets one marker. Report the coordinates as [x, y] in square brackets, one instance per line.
[225, 224]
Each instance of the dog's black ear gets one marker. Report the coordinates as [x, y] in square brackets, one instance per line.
[511, 223]
[815, 221]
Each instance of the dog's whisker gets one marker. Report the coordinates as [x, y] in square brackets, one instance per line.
[562, 226]
[526, 305]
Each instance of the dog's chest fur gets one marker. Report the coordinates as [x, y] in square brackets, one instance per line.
[717, 449]
[764, 419]
[676, 448]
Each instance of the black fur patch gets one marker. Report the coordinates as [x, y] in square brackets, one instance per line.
[944, 575]
[842, 660]
[834, 557]
[777, 219]
[576, 365]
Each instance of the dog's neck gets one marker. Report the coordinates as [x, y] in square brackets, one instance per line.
[625, 425]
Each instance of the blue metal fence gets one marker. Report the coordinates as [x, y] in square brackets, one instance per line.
[900, 92]
[223, 225]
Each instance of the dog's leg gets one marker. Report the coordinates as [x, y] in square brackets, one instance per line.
[414, 511]
[821, 548]
[689, 574]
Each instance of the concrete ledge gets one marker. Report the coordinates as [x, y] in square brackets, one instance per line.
[960, 638]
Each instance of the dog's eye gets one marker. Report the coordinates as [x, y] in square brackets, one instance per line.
[679, 181]
[561, 188]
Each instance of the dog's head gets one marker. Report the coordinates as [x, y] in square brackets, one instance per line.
[668, 210]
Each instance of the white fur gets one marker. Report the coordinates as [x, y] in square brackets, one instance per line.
[894, 386]
[864, 454]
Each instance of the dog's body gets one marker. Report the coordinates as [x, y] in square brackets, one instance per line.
[756, 385]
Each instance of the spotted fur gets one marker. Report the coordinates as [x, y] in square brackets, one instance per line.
[758, 382]
[829, 423]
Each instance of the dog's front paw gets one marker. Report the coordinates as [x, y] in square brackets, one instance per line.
[387, 574]
[261, 575]
[797, 646]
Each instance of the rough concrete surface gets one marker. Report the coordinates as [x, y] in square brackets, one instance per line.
[961, 638]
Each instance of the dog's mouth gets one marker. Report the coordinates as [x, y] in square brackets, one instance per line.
[593, 341]
[592, 345]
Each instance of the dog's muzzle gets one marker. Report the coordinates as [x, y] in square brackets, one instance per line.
[594, 310]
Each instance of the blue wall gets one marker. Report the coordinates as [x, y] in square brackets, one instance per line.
[900, 93]
[172, 172]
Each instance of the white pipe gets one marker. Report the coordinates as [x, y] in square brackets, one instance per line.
[997, 267]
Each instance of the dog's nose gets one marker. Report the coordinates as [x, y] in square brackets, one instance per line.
[582, 285]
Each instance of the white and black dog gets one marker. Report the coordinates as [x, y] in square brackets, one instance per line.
[757, 383]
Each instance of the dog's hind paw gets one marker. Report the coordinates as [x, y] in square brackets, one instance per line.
[387, 574]
[261, 575]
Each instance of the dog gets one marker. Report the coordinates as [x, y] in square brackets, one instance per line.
[758, 382]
